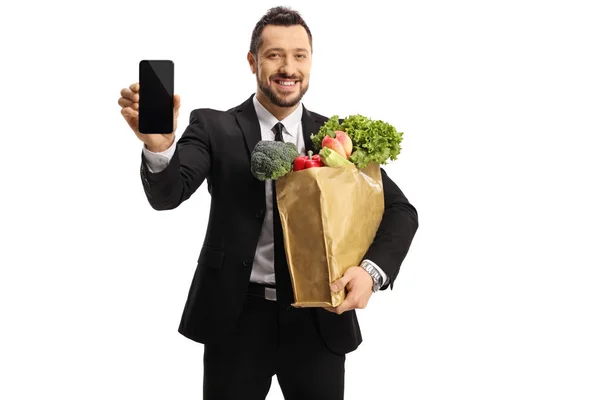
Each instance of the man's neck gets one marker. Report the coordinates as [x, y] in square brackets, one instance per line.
[278, 112]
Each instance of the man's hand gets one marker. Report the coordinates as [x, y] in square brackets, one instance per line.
[360, 288]
[129, 102]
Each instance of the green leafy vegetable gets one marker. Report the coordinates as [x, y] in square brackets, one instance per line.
[372, 140]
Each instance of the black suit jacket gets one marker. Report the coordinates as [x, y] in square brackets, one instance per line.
[216, 147]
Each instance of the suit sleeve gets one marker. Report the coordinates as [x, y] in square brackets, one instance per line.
[396, 231]
[187, 169]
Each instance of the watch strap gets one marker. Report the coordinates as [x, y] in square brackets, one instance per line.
[377, 277]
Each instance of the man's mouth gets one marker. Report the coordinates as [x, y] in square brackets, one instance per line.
[286, 83]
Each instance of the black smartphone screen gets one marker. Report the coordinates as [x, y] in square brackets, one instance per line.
[156, 96]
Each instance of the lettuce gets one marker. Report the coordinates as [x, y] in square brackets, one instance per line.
[373, 141]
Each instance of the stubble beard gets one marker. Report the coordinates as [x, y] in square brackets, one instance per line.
[276, 100]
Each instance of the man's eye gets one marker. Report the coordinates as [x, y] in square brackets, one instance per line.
[301, 56]
[273, 55]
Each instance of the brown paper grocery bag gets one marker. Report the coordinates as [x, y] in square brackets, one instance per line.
[329, 218]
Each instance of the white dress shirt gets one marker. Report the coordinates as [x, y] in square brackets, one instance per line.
[263, 270]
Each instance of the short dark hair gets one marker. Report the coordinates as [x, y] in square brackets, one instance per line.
[280, 16]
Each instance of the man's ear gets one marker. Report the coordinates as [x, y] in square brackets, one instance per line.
[252, 62]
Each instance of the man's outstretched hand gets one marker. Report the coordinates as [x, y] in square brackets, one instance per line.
[130, 106]
[360, 288]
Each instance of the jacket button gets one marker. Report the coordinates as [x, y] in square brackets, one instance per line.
[248, 262]
[260, 214]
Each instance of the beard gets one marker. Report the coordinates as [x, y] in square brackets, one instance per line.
[278, 101]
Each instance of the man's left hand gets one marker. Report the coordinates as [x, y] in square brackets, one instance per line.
[360, 288]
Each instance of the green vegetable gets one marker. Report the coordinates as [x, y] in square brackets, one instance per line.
[272, 160]
[373, 140]
[332, 158]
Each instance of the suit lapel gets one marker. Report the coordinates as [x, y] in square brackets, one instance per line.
[248, 121]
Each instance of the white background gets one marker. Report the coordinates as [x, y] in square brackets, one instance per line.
[499, 104]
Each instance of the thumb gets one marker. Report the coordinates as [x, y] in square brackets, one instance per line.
[340, 283]
[176, 103]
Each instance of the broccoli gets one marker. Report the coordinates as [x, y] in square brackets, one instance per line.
[272, 160]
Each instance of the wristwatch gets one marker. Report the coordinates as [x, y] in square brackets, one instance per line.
[377, 278]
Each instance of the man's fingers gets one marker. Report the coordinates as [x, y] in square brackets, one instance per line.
[346, 305]
[176, 105]
[351, 302]
[131, 95]
[123, 102]
[128, 112]
[128, 94]
[130, 98]
[340, 283]
[337, 310]
[340, 310]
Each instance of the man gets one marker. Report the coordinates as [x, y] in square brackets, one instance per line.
[239, 300]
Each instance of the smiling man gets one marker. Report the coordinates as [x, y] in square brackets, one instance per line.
[238, 304]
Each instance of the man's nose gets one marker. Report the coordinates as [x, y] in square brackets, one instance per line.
[287, 65]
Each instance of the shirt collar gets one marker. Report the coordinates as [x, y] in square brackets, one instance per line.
[268, 121]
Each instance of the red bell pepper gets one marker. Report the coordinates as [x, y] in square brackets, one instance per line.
[309, 161]
[299, 162]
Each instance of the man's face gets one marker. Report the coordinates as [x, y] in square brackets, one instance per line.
[283, 65]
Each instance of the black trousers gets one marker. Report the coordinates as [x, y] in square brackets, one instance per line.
[273, 340]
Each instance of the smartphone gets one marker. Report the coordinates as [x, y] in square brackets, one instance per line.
[157, 78]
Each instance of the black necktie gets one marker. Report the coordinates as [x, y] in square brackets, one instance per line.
[282, 275]
[278, 129]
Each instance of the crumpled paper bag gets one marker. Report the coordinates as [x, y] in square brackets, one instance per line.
[329, 218]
